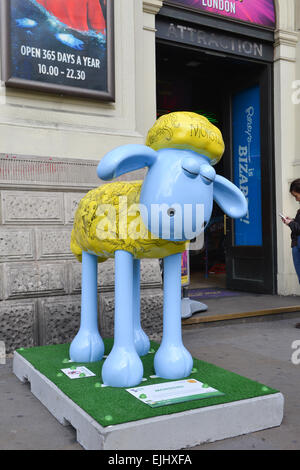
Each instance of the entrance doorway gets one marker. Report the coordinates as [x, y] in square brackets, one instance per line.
[209, 83]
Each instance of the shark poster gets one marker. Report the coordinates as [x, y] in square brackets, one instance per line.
[65, 47]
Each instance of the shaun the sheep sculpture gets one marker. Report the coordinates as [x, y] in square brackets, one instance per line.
[150, 219]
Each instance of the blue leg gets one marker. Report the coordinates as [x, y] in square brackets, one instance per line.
[172, 360]
[123, 367]
[141, 340]
[88, 346]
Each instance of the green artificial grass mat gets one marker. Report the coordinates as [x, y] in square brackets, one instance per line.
[110, 405]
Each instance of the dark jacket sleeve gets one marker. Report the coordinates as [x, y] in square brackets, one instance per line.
[295, 224]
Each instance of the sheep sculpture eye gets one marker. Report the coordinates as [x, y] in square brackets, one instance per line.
[208, 174]
[206, 180]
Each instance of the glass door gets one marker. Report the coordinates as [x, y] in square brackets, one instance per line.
[250, 253]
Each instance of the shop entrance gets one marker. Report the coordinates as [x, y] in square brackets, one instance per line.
[238, 255]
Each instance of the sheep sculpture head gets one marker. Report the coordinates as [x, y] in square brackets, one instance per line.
[175, 203]
[181, 182]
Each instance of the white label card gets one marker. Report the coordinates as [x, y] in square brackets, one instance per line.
[78, 372]
[173, 392]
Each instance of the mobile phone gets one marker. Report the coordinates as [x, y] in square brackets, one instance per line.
[282, 216]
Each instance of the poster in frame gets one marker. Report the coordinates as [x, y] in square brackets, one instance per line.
[59, 47]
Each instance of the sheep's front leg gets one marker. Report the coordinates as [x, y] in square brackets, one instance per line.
[141, 340]
[172, 360]
[88, 346]
[123, 367]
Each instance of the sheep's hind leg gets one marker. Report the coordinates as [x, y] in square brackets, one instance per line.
[141, 340]
[123, 367]
[172, 360]
[88, 346]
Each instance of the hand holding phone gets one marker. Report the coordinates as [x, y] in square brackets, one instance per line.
[285, 220]
[282, 217]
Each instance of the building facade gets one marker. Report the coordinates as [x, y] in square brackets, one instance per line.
[51, 143]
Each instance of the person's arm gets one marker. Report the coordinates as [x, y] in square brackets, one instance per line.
[294, 226]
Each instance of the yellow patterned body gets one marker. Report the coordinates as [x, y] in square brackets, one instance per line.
[188, 131]
[107, 219]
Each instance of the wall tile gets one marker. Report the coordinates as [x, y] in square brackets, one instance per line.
[16, 244]
[59, 319]
[28, 207]
[18, 324]
[54, 243]
[33, 279]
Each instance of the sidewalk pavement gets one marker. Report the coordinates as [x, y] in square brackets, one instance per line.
[244, 304]
[259, 348]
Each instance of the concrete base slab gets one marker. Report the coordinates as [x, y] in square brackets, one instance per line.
[168, 432]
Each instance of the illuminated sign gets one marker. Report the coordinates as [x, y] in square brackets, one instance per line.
[259, 12]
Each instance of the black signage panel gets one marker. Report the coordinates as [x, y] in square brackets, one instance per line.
[172, 30]
[60, 46]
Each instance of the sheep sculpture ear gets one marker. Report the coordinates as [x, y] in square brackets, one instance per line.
[125, 159]
[229, 198]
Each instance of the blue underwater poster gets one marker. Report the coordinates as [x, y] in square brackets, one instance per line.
[61, 44]
[247, 164]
